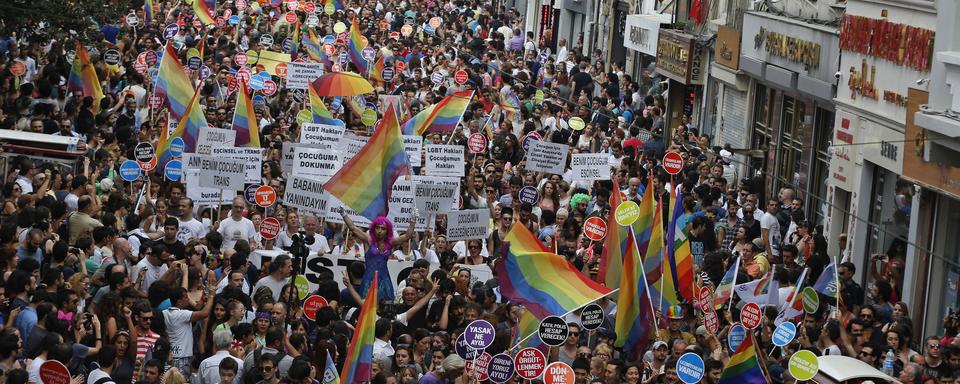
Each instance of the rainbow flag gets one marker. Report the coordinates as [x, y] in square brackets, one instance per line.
[725, 288]
[358, 364]
[678, 250]
[511, 107]
[337, 4]
[321, 115]
[330, 375]
[355, 46]
[245, 120]
[295, 47]
[173, 85]
[376, 75]
[794, 302]
[634, 314]
[743, 367]
[615, 246]
[528, 325]
[440, 117]
[83, 77]
[315, 50]
[188, 129]
[365, 182]
[147, 12]
[650, 240]
[763, 291]
[205, 11]
[543, 282]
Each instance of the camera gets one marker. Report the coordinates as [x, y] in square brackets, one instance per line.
[299, 250]
[838, 75]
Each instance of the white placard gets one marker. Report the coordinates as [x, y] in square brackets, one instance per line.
[334, 205]
[412, 145]
[215, 137]
[590, 166]
[451, 181]
[387, 100]
[547, 157]
[305, 194]
[323, 135]
[351, 146]
[220, 172]
[468, 224]
[300, 75]
[445, 160]
[436, 198]
[286, 159]
[251, 157]
[320, 164]
[337, 264]
[201, 195]
[400, 207]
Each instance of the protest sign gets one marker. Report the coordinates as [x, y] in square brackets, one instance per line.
[451, 181]
[316, 163]
[201, 195]
[305, 193]
[214, 137]
[400, 207]
[220, 173]
[468, 224]
[322, 135]
[445, 160]
[590, 166]
[437, 198]
[251, 158]
[300, 75]
[334, 206]
[412, 145]
[547, 157]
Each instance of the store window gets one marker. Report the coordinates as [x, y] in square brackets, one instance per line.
[946, 247]
[820, 171]
[791, 148]
[890, 210]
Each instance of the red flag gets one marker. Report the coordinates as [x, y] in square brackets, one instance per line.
[697, 11]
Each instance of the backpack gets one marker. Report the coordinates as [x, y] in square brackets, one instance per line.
[253, 374]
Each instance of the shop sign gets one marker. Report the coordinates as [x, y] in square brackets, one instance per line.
[728, 47]
[809, 50]
[674, 55]
[842, 152]
[641, 33]
[888, 150]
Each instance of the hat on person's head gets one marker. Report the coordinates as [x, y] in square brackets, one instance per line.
[675, 312]
[452, 362]
[563, 212]
[758, 244]
[701, 331]
[659, 344]
[726, 156]
[506, 200]
[106, 184]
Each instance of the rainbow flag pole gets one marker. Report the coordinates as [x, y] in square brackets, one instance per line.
[563, 316]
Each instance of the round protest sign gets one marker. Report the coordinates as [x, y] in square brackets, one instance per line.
[368, 53]
[479, 334]
[250, 194]
[591, 317]
[477, 142]
[309, 7]
[266, 40]
[174, 170]
[803, 365]
[751, 316]
[627, 213]
[538, 97]
[690, 368]
[463, 350]
[281, 70]
[406, 30]
[177, 146]
[400, 66]
[54, 372]
[811, 300]
[705, 299]
[265, 196]
[130, 170]
[435, 21]
[576, 124]
[170, 31]
[553, 331]
[437, 78]
[736, 336]
[368, 117]
[711, 321]
[500, 369]
[784, 334]
[240, 59]
[478, 367]
[559, 373]
[111, 56]
[18, 68]
[133, 20]
[329, 8]
[143, 152]
[269, 87]
[150, 57]
[269, 228]
[529, 139]
[252, 57]
[313, 304]
[339, 27]
[241, 4]
[461, 77]
[387, 74]
[673, 162]
[530, 363]
[529, 194]
[595, 228]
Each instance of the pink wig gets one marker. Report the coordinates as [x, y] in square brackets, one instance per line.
[382, 220]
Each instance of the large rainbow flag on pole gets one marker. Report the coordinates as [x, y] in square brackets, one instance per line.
[311, 44]
[615, 245]
[725, 288]
[635, 315]
[678, 249]
[205, 10]
[440, 117]
[357, 366]
[321, 115]
[743, 367]
[245, 120]
[83, 77]
[540, 280]
[355, 46]
[648, 232]
[365, 182]
[173, 85]
[188, 130]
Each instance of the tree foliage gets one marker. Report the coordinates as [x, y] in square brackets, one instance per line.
[40, 20]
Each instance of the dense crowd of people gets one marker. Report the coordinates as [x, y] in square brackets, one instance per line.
[123, 287]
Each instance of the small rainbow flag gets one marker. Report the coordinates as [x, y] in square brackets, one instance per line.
[245, 120]
[315, 50]
[662, 291]
[83, 77]
[794, 303]
[366, 181]
[355, 46]
[743, 366]
[440, 117]
[295, 47]
[147, 12]
[376, 75]
[635, 315]
[205, 11]
[540, 280]
[678, 250]
[357, 366]
[511, 107]
[321, 115]
[173, 85]
[725, 288]
[330, 375]
[337, 4]
[188, 129]
[528, 325]
[763, 291]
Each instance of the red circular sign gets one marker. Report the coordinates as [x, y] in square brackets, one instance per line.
[293, 5]
[461, 77]
[406, 29]
[140, 67]
[197, 24]
[705, 299]
[243, 75]
[673, 162]
[595, 228]
[281, 70]
[435, 22]
[149, 165]
[150, 57]
[155, 101]
[329, 49]
[240, 58]
[401, 66]
[711, 321]
[751, 316]
[18, 68]
[269, 227]
[54, 372]
[221, 22]
[477, 142]
[313, 304]
[309, 7]
[530, 363]
[478, 368]
[269, 87]
[559, 373]
[266, 196]
[291, 17]
[241, 4]
[395, 35]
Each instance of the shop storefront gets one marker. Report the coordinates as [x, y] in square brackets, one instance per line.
[684, 63]
[640, 37]
[726, 107]
[571, 18]
[792, 67]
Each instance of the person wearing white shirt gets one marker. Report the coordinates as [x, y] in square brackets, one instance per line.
[210, 367]
[561, 51]
[150, 268]
[179, 324]
[311, 225]
[280, 269]
[190, 227]
[382, 349]
[107, 359]
[236, 227]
